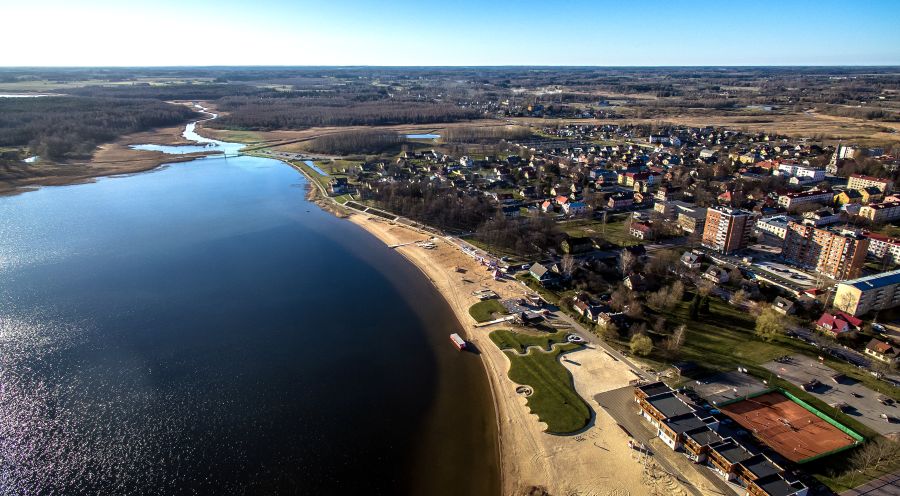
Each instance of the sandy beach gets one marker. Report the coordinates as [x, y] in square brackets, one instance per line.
[595, 461]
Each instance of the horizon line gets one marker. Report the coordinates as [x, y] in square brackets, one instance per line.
[451, 66]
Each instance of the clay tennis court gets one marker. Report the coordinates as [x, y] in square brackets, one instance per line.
[788, 428]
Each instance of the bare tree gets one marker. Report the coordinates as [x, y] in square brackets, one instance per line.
[627, 262]
[567, 266]
[876, 455]
[677, 339]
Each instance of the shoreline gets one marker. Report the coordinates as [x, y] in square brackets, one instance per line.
[595, 460]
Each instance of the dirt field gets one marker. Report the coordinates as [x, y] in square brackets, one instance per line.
[788, 428]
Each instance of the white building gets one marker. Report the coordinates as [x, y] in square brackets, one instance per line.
[803, 173]
[776, 225]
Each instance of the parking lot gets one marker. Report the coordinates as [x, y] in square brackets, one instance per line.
[862, 402]
[726, 386]
[785, 272]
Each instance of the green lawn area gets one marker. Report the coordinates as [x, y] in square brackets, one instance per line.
[554, 399]
[323, 180]
[724, 338]
[614, 231]
[484, 311]
[335, 167]
[517, 341]
[342, 199]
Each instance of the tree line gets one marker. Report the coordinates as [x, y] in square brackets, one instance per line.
[58, 128]
[298, 113]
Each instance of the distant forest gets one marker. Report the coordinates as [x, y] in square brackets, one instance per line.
[362, 141]
[301, 112]
[59, 128]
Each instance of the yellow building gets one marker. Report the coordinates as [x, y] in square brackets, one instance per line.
[868, 294]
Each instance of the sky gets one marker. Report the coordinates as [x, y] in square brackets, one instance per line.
[458, 32]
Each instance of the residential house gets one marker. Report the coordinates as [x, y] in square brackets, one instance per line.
[690, 260]
[511, 211]
[542, 274]
[837, 324]
[716, 275]
[577, 245]
[338, 186]
[575, 208]
[641, 230]
[882, 351]
[783, 305]
[635, 282]
[620, 200]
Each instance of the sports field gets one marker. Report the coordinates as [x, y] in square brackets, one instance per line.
[787, 427]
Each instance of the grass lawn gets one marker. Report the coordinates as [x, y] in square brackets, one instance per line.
[335, 167]
[323, 180]
[517, 341]
[614, 231]
[724, 338]
[484, 311]
[554, 399]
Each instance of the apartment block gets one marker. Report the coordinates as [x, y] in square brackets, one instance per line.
[839, 254]
[858, 181]
[726, 229]
[794, 200]
[868, 294]
[881, 212]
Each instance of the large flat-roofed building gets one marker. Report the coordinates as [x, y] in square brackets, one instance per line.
[794, 200]
[868, 294]
[859, 181]
[775, 225]
[839, 254]
[692, 220]
[726, 229]
[881, 212]
[884, 248]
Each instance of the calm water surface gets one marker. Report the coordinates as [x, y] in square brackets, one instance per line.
[203, 329]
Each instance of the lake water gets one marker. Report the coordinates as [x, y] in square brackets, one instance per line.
[203, 329]
[204, 144]
[423, 136]
[313, 166]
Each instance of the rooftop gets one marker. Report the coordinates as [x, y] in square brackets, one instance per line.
[731, 451]
[775, 485]
[875, 281]
[704, 436]
[760, 466]
[655, 388]
[684, 423]
[669, 405]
